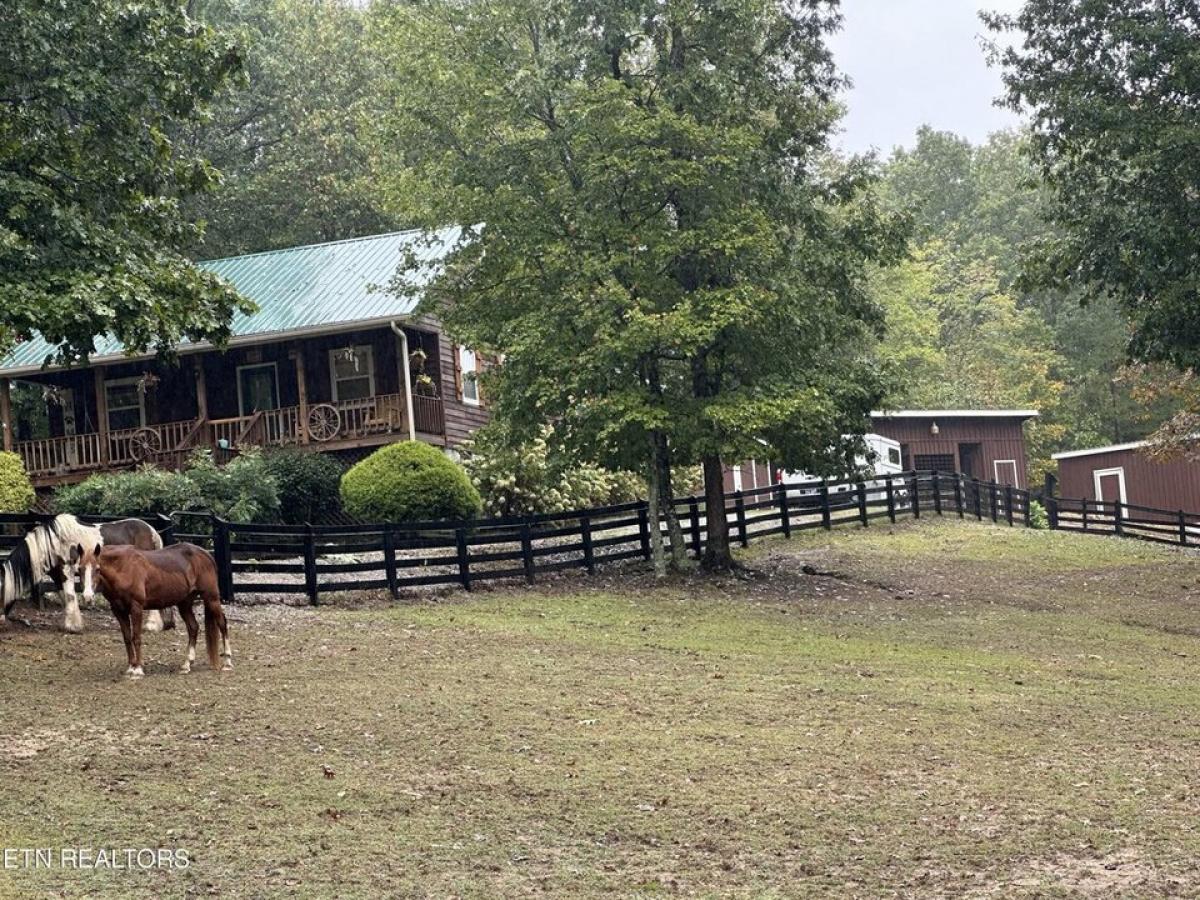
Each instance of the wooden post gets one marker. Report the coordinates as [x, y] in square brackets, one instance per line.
[826, 510]
[785, 517]
[310, 563]
[891, 500]
[1008, 498]
[389, 561]
[527, 552]
[694, 515]
[993, 498]
[201, 388]
[862, 504]
[1084, 515]
[958, 494]
[1052, 512]
[978, 499]
[916, 496]
[1182, 528]
[1118, 518]
[644, 528]
[937, 494]
[1028, 510]
[167, 529]
[101, 412]
[464, 559]
[739, 507]
[222, 556]
[6, 414]
[589, 557]
[301, 395]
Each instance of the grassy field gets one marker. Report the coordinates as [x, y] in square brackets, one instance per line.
[925, 710]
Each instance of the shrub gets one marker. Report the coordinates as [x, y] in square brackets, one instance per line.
[241, 491]
[307, 483]
[409, 482]
[1038, 517]
[16, 490]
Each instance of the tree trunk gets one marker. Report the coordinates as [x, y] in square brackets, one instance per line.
[717, 556]
[666, 491]
[653, 483]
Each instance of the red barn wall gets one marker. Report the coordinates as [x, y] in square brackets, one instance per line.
[998, 439]
[1173, 484]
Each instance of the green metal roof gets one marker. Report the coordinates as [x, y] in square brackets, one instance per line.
[298, 289]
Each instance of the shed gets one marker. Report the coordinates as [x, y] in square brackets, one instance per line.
[988, 444]
[1124, 472]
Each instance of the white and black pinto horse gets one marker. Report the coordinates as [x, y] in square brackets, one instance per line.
[49, 550]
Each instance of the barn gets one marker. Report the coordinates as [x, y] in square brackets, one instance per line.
[1124, 472]
[988, 444]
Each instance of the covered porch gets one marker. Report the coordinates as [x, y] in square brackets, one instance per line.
[329, 392]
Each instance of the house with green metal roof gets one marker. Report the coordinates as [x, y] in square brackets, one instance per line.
[332, 360]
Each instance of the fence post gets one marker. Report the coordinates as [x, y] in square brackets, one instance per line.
[527, 552]
[1118, 523]
[739, 506]
[958, 494]
[1052, 512]
[1028, 509]
[168, 531]
[310, 563]
[644, 528]
[937, 493]
[826, 511]
[978, 499]
[1182, 529]
[464, 559]
[389, 561]
[785, 518]
[223, 557]
[993, 500]
[694, 515]
[1083, 517]
[891, 500]
[589, 558]
[1008, 495]
[861, 488]
[916, 496]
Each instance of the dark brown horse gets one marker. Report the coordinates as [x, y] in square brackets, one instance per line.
[136, 581]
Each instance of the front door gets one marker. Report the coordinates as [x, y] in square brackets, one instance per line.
[970, 460]
[1110, 485]
[258, 388]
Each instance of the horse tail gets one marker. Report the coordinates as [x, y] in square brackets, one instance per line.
[212, 635]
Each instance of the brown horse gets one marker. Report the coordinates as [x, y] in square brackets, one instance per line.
[135, 581]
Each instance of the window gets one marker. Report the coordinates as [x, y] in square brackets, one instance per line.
[126, 404]
[352, 373]
[258, 388]
[934, 462]
[893, 456]
[468, 368]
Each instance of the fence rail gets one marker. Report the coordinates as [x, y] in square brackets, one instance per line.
[315, 560]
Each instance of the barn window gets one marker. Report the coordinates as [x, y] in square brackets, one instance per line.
[352, 373]
[126, 404]
[934, 462]
[468, 369]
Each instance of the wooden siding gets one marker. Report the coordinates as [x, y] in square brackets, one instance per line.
[998, 439]
[1172, 485]
[462, 419]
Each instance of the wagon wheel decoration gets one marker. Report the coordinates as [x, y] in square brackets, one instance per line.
[144, 443]
[324, 422]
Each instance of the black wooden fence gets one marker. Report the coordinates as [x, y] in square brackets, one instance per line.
[262, 559]
[312, 560]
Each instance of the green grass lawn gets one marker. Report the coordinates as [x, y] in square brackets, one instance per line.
[943, 709]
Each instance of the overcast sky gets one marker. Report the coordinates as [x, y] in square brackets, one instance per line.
[916, 62]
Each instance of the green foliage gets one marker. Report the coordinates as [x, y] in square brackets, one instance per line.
[308, 484]
[668, 251]
[409, 482]
[16, 490]
[1113, 90]
[241, 491]
[93, 93]
[516, 477]
[287, 136]
[1038, 517]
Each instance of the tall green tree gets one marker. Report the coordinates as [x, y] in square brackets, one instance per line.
[662, 250]
[288, 135]
[91, 180]
[1113, 90]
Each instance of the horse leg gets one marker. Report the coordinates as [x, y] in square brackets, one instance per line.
[126, 633]
[193, 629]
[136, 616]
[72, 617]
[216, 632]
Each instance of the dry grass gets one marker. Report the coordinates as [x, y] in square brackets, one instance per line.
[948, 710]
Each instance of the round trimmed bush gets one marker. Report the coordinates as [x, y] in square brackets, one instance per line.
[409, 482]
[16, 490]
[307, 483]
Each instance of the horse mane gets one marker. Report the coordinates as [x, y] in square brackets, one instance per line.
[46, 546]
